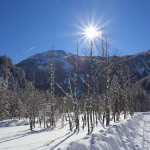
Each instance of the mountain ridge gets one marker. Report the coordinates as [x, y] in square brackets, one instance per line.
[39, 64]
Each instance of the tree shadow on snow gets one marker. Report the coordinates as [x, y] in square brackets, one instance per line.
[48, 143]
[61, 141]
[17, 136]
[12, 133]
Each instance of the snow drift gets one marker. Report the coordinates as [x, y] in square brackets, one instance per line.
[13, 122]
[121, 136]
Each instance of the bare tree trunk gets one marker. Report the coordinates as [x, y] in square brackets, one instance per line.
[31, 124]
[103, 117]
[70, 124]
[91, 120]
[44, 118]
[93, 116]
[88, 121]
[125, 115]
[85, 119]
[107, 116]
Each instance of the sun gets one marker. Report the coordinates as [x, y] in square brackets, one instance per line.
[91, 33]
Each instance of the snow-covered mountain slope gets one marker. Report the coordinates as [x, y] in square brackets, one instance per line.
[44, 58]
[138, 66]
[139, 63]
[39, 65]
[15, 75]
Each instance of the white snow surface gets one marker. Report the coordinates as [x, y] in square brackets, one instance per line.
[13, 122]
[49, 54]
[130, 134]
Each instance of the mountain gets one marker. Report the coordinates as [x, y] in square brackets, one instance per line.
[138, 63]
[37, 67]
[14, 75]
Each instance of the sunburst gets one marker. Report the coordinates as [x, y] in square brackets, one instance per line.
[91, 33]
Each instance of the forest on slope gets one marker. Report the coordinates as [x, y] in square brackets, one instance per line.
[55, 82]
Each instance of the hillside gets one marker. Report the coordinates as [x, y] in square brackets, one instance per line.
[37, 67]
[14, 75]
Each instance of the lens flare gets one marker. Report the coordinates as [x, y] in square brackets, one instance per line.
[91, 33]
[90, 29]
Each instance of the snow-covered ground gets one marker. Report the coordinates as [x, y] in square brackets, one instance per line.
[131, 134]
[146, 133]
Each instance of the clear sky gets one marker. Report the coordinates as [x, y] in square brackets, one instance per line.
[32, 26]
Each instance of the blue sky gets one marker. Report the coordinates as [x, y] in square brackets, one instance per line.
[33, 26]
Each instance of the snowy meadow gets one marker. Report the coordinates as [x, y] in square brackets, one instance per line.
[130, 134]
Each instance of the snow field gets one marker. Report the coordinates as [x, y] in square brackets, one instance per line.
[146, 132]
[131, 134]
[120, 136]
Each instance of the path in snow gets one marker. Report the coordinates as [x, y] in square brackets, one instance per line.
[146, 132]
